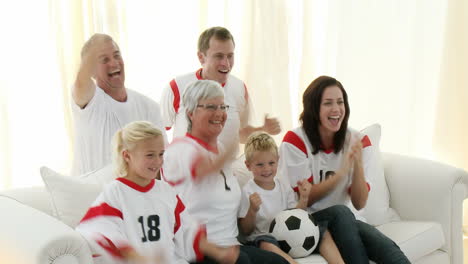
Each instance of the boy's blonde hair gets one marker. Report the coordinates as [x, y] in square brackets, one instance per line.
[127, 138]
[259, 141]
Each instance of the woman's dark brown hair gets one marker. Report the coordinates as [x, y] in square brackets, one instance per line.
[310, 116]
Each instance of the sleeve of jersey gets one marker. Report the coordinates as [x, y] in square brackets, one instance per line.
[246, 109]
[294, 165]
[102, 227]
[170, 101]
[180, 163]
[187, 233]
[90, 107]
[244, 204]
[290, 195]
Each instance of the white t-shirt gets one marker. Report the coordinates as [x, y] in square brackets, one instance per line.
[297, 163]
[96, 124]
[235, 95]
[213, 200]
[282, 197]
[150, 219]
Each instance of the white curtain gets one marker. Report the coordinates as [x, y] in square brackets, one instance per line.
[401, 62]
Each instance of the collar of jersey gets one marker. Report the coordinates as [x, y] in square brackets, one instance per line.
[202, 143]
[199, 77]
[136, 186]
[327, 151]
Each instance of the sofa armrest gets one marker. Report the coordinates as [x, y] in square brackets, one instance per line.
[29, 236]
[424, 190]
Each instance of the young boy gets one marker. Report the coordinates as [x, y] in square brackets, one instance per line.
[264, 196]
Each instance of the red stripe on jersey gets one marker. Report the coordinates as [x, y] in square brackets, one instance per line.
[137, 187]
[168, 128]
[196, 243]
[293, 139]
[198, 73]
[180, 207]
[366, 142]
[175, 91]
[171, 183]
[246, 93]
[203, 143]
[193, 168]
[368, 188]
[101, 210]
[311, 180]
[95, 255]
[111, 248]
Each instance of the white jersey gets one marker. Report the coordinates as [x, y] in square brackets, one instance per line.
[297, 163]
[214, 200]
[235, 95]
[151, 220]
[280, 198]
[96, 124]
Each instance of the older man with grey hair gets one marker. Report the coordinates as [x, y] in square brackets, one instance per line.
[102, 104]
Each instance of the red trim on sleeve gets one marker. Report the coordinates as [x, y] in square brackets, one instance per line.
[111, 248]
[368, 188]
[366, 142]
[171, 183]
[137, 187]
[293, 139]
[101, 210]
[175, 91]
[310, 179]
[180, 207]
[195, 163]
[196, 243]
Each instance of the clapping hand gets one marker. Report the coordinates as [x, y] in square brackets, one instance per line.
[255, 202]
[304, 187]
[271, 125]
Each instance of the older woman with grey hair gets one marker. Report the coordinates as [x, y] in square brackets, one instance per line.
[198, 167]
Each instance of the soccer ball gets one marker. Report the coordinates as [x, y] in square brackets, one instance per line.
[296, 232]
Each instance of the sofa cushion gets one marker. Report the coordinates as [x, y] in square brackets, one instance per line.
[377, 210]
[416, 239]
[37, 197]
[70, 196]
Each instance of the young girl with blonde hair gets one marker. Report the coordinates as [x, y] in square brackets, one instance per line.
[137, 218]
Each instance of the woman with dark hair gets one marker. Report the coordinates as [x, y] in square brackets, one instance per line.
[336, 160]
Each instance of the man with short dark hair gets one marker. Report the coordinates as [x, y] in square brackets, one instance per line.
[216, 55]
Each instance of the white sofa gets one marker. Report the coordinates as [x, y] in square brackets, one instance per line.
[427, 196]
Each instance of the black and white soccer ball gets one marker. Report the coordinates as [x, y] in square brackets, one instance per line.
[296, 232]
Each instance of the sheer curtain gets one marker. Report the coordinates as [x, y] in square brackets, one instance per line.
[401, 62]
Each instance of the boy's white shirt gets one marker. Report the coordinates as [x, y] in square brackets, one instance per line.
[280, 198]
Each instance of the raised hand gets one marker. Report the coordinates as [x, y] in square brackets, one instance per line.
[304, 187]
[356, 153]
[271, 125]
[255, 202]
